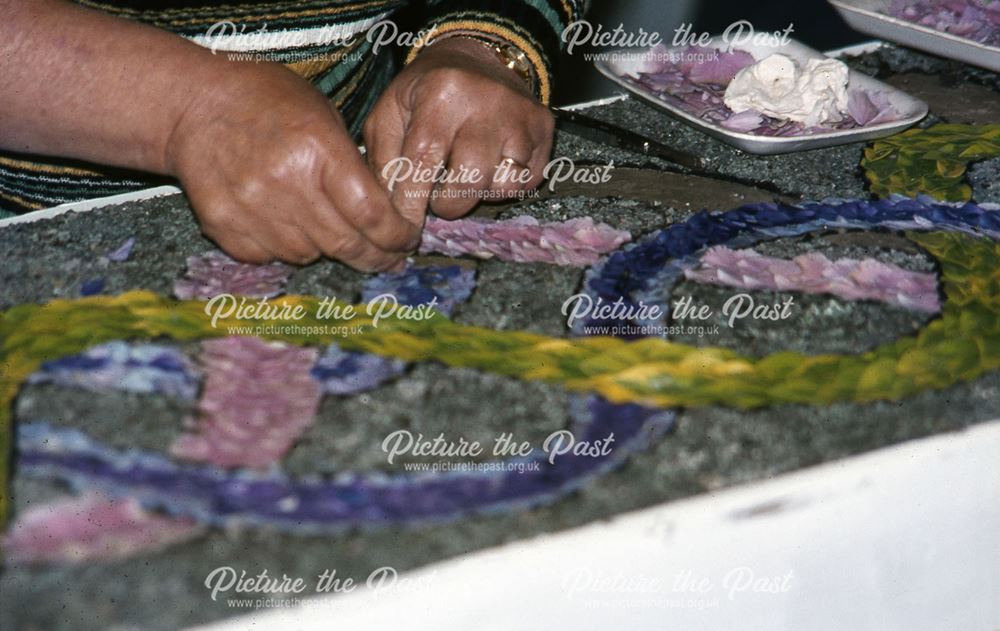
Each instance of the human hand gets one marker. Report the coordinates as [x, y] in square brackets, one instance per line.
[457, 105]
[272, 173]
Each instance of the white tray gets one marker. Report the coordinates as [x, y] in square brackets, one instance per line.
[910, 109]
[868, 17]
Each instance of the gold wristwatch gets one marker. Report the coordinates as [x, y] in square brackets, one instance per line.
[509, 55]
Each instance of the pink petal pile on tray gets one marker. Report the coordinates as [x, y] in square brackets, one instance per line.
[576, 242]
[258, 398]
[214, 273]
[977, 20]
[91, 527]
[814, 273]
[695, 81]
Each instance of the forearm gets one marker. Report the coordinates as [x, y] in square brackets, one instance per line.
[77, 83]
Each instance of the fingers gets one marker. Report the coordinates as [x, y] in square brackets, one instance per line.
[304, 223]
[248, 235]
[353, 191]
[509, 161]
[290, 185]
[426, 146]
[542, 135]
[472, 167]
[245, 249]
[337, 239]
[328, 235]
[383, 132]
[311, 194]
[438, 122]
[521, 170]
[529, 148]
[507, 154]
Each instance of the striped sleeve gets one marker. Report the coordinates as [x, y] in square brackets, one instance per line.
[533, 26]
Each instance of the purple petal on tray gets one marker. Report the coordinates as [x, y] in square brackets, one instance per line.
[259, 397]
[870, 108]
[718, 69]
[993, 14]
[747, 120]
[674, 84]
[971, 19]
[214, 273]
[91, 527]
[860, 107]
[656, 59]
[886, 111]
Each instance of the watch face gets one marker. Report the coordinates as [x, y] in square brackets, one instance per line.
[515, 59]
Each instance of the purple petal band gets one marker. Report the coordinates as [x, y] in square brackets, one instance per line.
[814, 273]
[312, 505]
[576, 242]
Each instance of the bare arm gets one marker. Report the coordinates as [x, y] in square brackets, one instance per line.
[78, 83]
[265, 160]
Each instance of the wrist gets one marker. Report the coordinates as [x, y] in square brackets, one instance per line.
[223, 92]
[211, 83]
[500, 59]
